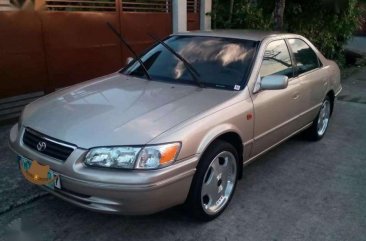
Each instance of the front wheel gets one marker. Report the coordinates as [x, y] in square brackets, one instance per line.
[321, 122]
[214, 182]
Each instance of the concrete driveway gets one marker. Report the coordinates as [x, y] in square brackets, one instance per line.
[357, 44]
[299, 191]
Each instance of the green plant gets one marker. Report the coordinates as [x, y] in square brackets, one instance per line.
[246, 14]
[249, 16]
[328, 24]
[328, 27]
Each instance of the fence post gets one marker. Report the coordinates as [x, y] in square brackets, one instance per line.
[119, 24]
[118, 4]
[39, 4]
[49, 86]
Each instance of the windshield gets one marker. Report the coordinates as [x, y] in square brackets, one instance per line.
[219, 62]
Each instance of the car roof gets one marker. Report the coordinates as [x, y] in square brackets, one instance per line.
[254, 35]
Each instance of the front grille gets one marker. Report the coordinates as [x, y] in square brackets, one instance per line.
[54, 148]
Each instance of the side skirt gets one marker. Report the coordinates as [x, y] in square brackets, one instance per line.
[246, 162]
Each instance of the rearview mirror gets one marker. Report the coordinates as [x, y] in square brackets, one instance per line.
[274, 82]
[129, 60]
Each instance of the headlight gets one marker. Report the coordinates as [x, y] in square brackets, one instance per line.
[151, 157]
[148, 157]
[115, 157]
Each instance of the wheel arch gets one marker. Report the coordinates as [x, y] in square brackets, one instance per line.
[331, 96]
[231, 136]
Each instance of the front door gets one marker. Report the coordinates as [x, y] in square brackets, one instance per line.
[275, 111]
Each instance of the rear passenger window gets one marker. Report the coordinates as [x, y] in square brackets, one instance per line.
[276, 60]
[304, 57]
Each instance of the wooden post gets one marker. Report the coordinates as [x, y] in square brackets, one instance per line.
[39, 5]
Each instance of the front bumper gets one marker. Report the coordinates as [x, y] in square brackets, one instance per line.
[130, 192]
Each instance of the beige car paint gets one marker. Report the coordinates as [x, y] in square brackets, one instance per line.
[258, 119]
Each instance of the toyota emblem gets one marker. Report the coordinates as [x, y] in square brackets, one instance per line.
[41, 146]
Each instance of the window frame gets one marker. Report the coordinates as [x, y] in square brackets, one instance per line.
[289, 52]
[256, 86]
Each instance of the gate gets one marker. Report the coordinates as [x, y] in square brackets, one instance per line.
[193, 14]
[69, 42]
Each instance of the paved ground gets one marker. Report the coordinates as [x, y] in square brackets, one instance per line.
[357, 44]
[299, 191]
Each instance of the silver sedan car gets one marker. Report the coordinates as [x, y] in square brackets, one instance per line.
[177, 125]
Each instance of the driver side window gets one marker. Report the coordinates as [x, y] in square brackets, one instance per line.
[277, 60]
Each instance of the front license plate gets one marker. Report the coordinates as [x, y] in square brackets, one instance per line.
[39, 174]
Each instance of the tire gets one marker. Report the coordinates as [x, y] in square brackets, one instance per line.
[321, 122]
[214, 182]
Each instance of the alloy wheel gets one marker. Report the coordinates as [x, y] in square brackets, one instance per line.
[219, 182]
[323, 118]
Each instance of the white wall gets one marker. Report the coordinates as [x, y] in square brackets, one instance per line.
[179, 15]
[205, 21]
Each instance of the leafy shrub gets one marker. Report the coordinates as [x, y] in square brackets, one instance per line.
[245, 15]
[328, 24]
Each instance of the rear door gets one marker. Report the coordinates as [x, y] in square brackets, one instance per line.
[313, 82]
[275, 111]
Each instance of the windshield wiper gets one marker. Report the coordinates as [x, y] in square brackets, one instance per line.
[188, 66]
[129, 48]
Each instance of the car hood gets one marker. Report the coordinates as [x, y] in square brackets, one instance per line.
[118, 110]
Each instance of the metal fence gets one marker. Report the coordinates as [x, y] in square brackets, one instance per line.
[193, 14]
[108, 5]
[80, 5]
[164, 6]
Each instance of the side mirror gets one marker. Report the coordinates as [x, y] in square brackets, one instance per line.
[129, 60]
[274, 82]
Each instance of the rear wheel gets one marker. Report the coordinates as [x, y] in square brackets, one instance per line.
[321, 122]
[214, 182]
